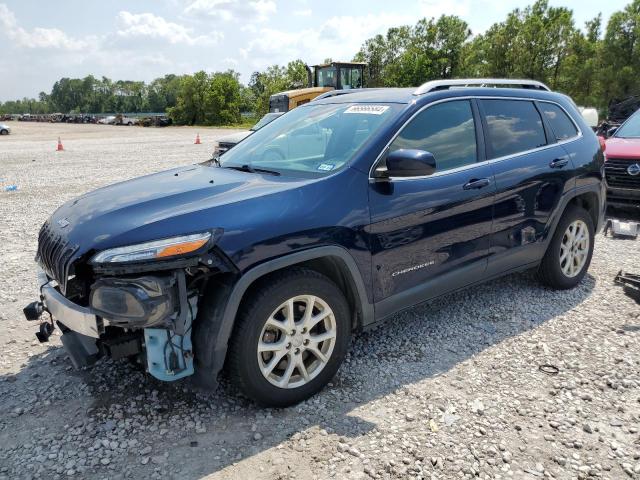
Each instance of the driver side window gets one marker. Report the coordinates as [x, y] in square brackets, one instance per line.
[447, 130]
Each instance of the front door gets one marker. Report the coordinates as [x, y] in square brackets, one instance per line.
[430, 235]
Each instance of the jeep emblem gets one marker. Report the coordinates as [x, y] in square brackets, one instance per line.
[634, 169]
[63, 222]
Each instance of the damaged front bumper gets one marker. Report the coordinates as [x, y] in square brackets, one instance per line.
[87, 335]
[72, 316]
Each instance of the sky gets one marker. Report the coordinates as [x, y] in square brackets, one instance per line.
[43, 41]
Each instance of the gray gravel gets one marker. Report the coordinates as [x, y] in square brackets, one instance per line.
[450, 389]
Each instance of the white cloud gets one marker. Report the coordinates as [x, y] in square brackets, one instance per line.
[338, 38]
[226, 10]
[230, 61]
[152, 26]
[38, 37]
[303, 13]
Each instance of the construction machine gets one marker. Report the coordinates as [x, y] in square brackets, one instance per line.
[321, 78]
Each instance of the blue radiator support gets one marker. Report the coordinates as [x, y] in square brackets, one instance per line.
[170, 356]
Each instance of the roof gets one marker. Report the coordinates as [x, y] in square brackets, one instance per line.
[386, 95]
[364, 64]
[409, 95]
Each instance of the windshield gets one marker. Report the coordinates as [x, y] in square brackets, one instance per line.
[326, 77]
[313, 140]
[630, 128]
[268, 118]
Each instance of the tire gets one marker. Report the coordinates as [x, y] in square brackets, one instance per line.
[564, 274]
[270, 301]
[4, 132]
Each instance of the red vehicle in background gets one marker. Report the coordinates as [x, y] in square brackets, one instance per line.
[622, 166]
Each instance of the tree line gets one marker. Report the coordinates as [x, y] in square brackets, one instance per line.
[595, 64]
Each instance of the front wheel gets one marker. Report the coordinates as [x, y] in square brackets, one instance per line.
[569, 254]
[4, 132]
[291, 336]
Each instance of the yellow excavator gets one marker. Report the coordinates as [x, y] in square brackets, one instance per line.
[321, 79]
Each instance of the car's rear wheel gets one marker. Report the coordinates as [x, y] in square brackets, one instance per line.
[4, 132]
[291, 336]
[569, 254]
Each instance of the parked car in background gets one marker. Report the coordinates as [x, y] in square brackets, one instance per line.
[229, 141]
[110, 120]
[124, 120]
[4, 129]
[376, 201]
[622, 164]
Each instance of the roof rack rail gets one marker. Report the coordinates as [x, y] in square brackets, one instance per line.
[434, 85]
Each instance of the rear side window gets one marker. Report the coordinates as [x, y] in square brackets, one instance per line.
[562, 126]
[513, 126]
[447, 130]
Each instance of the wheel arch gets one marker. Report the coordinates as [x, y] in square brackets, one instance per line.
[332, 261]
[587, 197]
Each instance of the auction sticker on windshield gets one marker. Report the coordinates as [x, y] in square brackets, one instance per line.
[370, 109]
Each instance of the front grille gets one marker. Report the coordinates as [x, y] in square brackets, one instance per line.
[55, 255]
[617, 175]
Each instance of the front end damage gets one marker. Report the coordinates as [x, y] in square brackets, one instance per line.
[144, 311]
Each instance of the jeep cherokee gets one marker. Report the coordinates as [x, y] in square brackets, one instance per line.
[335, 217]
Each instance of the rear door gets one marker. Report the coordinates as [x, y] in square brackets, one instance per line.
[532, 172]
[431, 234]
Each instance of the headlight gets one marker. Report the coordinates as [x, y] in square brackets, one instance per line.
[168, 247]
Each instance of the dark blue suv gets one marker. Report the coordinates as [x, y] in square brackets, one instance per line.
[332, 218]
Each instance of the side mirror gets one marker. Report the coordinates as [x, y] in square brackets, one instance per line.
[611, 132]
[408, 163]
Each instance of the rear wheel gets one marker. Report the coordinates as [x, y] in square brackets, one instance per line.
[569, 254]
[4, 132]
[291, 336]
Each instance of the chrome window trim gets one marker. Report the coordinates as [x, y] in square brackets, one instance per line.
[475, 164]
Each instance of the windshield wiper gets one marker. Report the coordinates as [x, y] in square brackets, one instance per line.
[250, 169]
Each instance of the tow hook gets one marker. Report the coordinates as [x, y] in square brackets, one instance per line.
[33, 312]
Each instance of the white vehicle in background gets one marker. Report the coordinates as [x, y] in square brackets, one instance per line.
[4, 129]
[590, 116]
[123, 120]
[110, 120]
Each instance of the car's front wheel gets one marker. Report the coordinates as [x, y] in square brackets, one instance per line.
[4, 132]
[569, 254]
[291, 336]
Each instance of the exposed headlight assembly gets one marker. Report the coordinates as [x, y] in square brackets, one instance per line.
[158, 249]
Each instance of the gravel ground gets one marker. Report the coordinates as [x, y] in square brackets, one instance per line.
[450, 389]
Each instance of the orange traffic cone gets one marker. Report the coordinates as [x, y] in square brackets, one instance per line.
[60, 147]
[197, 142]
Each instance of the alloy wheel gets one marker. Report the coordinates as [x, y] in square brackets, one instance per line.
[296, 341]
[574, 248]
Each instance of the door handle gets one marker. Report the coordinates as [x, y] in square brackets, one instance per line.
[559, 162]
[476, 183]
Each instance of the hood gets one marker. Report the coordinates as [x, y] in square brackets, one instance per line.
[623, 148]
[175, 202]
[235, 137]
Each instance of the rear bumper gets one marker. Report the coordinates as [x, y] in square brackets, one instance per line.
[74, 317]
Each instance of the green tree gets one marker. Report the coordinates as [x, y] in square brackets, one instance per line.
[621, 53]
